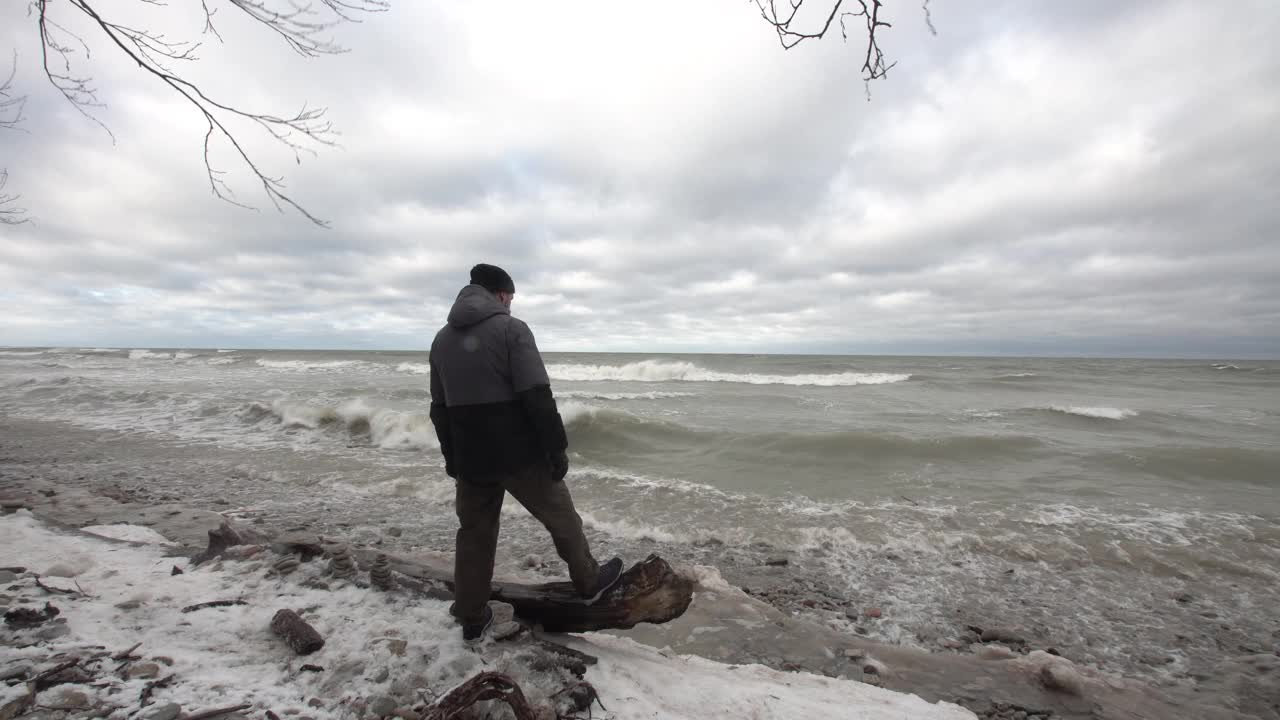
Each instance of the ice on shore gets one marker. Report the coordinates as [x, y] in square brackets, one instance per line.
[375, 642]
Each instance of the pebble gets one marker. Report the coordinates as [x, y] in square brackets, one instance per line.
[503, 631]
[64, 571]
[777, 562]
[380, 573]
[1003, 635]
[167, 711]
[394, 532]
[69, 698]
[129, 605]
[144, 670]
[315, 703]
[873, 612]
[381, 675]
[7, 576]
[996, 652]
[53, 632]
[20, 670]
[342, 566]
[286, 564]
[382, 706]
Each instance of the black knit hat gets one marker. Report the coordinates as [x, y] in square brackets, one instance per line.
[492, 278]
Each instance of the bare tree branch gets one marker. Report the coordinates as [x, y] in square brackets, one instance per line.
[790, 32]
[304, 25]
[10, 215]
[11, 108]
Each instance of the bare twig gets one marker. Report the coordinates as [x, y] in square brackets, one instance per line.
[57, 591]
[790, 34]
[206, 714]
[126, 654]
[213, 604]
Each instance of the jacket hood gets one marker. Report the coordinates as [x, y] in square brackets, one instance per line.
[474, 304]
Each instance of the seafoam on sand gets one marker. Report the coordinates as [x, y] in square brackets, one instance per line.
[226, 656]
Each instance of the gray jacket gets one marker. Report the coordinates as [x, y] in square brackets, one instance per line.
[491, 400]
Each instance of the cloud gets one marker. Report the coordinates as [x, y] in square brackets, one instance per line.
[1038, 179]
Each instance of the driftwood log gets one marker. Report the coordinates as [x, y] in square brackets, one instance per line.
[649, 592]
[296, 632]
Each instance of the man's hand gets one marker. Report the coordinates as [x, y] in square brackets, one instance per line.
[559, 466]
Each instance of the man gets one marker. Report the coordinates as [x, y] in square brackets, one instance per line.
[500, 432]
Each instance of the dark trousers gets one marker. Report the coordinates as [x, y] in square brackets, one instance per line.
[479, 507]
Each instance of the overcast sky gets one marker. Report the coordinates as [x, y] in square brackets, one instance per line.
[1042, 178]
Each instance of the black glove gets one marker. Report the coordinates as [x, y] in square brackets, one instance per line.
[559, 466]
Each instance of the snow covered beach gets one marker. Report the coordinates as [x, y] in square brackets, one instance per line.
[383, 654]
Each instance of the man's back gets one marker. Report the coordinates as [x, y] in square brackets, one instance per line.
[485, 370]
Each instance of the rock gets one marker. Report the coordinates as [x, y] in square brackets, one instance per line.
[146, 670]
[380, 573]
[874, 667]
[532, 561]
[394, 532]
[1184, 598]
[1061, 677]
[286, 564]
[341, 565]
[129, 605]
[506, 630]
[1004, 635]
[397, 646]
[63, 571]
[996, 651]
[953, 644]
[175, 571]
[167, 711]
[777, 562]
[17, 671]
[7, 576]
[65, 697]
[873, 612]
[854, 654]
[14, 707]
[381, 706]
[502, 612]
[381, 675]
[315, 703]
[53, 632]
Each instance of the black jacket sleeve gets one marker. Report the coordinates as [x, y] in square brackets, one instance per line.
[540, 407]
[440, 419]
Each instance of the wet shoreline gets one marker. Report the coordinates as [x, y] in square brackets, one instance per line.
[101, 465]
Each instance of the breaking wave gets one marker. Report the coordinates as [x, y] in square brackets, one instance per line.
[304, 365]
[1102, 413]
[384, 427]
[669, 371]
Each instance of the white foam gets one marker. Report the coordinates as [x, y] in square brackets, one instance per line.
[183, 356]
[222, 361]
[414, 368]
[632, 531]
[600, 395]
[670, 371]
[1104, 413]
[20, 353]
[148, 355]
[305, 364]
[223, 648]
[130, 533]
[97, 351]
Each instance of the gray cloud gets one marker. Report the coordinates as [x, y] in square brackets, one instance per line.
[1034, 179]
